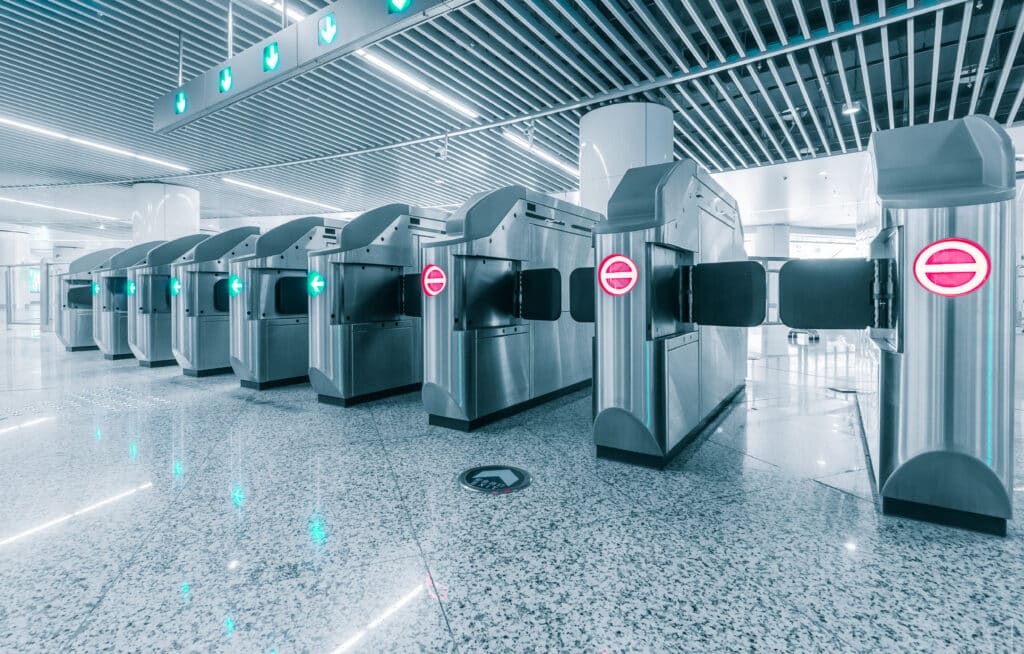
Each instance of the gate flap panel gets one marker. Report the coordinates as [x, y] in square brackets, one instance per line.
[729, 294]
[827, 293]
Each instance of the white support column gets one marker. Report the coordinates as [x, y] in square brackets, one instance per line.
[614, 139]
[161, 212]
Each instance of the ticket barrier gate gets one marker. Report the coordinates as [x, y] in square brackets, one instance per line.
[110, 288]
[73, 319]
[937, 299]
[366, 333]
[670, 298]
[498, 336]
[269, 311]
[149, 302]
[200, 327]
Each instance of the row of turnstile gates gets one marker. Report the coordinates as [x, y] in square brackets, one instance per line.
[517, 297]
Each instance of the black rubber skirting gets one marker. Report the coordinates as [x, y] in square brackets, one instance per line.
[262, 386]
[470, 425]
[985, 524]
[81, 348]
[189, 372]
[368, 397]
[659, 462]
[118, 357]
[158, 364]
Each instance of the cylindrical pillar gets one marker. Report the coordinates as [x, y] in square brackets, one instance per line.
[161, 212]
[614, 139]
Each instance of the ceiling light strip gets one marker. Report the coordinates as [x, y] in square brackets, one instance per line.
[87, 143]
[263, 189]
[418, 84]
[40, 205]
[541, 153]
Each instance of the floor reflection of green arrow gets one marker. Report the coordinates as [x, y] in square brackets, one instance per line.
[328, 29]
[271, 57]
[175, 286]
[316, 283]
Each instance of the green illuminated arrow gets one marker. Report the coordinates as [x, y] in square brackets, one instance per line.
[131, 287]
[398, 6]
[175, 286]
[271, 57]
[226, 80]
[328, 29]
[235, 285]
[316, 283]
[180, 102]
[95, 288]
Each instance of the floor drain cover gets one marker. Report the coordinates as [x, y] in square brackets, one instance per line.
[496, 480]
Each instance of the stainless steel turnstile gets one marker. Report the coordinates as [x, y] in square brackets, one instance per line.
[937, 296]
[201, 331]
[671, 294]
[365, 333]
[269, 308]
[76, 295]
[497, 331]
[110, 290]
[149, 302]
[49, 293]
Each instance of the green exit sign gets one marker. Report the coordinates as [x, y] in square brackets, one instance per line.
[271, 57]
[398, 6]
[180, 102]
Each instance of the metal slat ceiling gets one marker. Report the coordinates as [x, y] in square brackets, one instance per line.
[752, 83]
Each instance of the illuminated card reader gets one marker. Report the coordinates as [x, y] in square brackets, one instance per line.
[937, 296]
[671, 294]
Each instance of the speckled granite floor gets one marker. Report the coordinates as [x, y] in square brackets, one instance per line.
[145, 511]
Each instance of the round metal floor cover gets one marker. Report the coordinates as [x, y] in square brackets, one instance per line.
[496, 480]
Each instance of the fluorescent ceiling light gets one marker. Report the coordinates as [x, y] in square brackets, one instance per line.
[418, 84]
[359, 635]
[40, 205]
[541, 154]
[262, 189]
[87, 143]
[68, 516]
[292, 13]
[850, 109]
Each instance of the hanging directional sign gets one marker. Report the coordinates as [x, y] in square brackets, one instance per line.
[271, 56]
[952, 267]
[617, 274]
[235, 285]
[316, 283]
[180, 102]
[130, 287]
[433, 280]
[495, 480]
[327, 30]
[225, 81]
[175, 286]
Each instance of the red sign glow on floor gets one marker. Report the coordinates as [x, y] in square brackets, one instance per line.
[617, 274]
[952, 267]
[434, 280]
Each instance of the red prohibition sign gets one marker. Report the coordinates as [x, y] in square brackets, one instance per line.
[952, 267]
[617, 274]
[433, 280]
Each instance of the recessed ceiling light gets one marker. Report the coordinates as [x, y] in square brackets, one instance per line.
[851, 108]
[87, 143]
[40, 205]
[418, 84]
[292, 13]
[541, 154]
[263, 189]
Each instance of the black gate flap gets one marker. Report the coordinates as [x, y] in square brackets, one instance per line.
[540, 294]
[412, 296]
[581, 295]
[729, 294]
[827, 293]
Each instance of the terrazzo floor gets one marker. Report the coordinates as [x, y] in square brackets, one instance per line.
[144, 511]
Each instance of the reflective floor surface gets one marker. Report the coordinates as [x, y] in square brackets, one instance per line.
[146, 511]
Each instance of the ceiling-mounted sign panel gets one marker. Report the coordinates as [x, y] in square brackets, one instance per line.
[334, 31]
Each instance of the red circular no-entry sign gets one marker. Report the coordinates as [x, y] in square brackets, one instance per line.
[952, 267]
[434, 280]
[617, 274]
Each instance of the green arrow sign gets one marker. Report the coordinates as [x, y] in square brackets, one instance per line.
[235, 285]
[398, 6]
[328, 29]
[271, 57]
[180, 102]
[175, 286]
[130, 287]
[316, 283]
[225, 80]
[95, 288]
